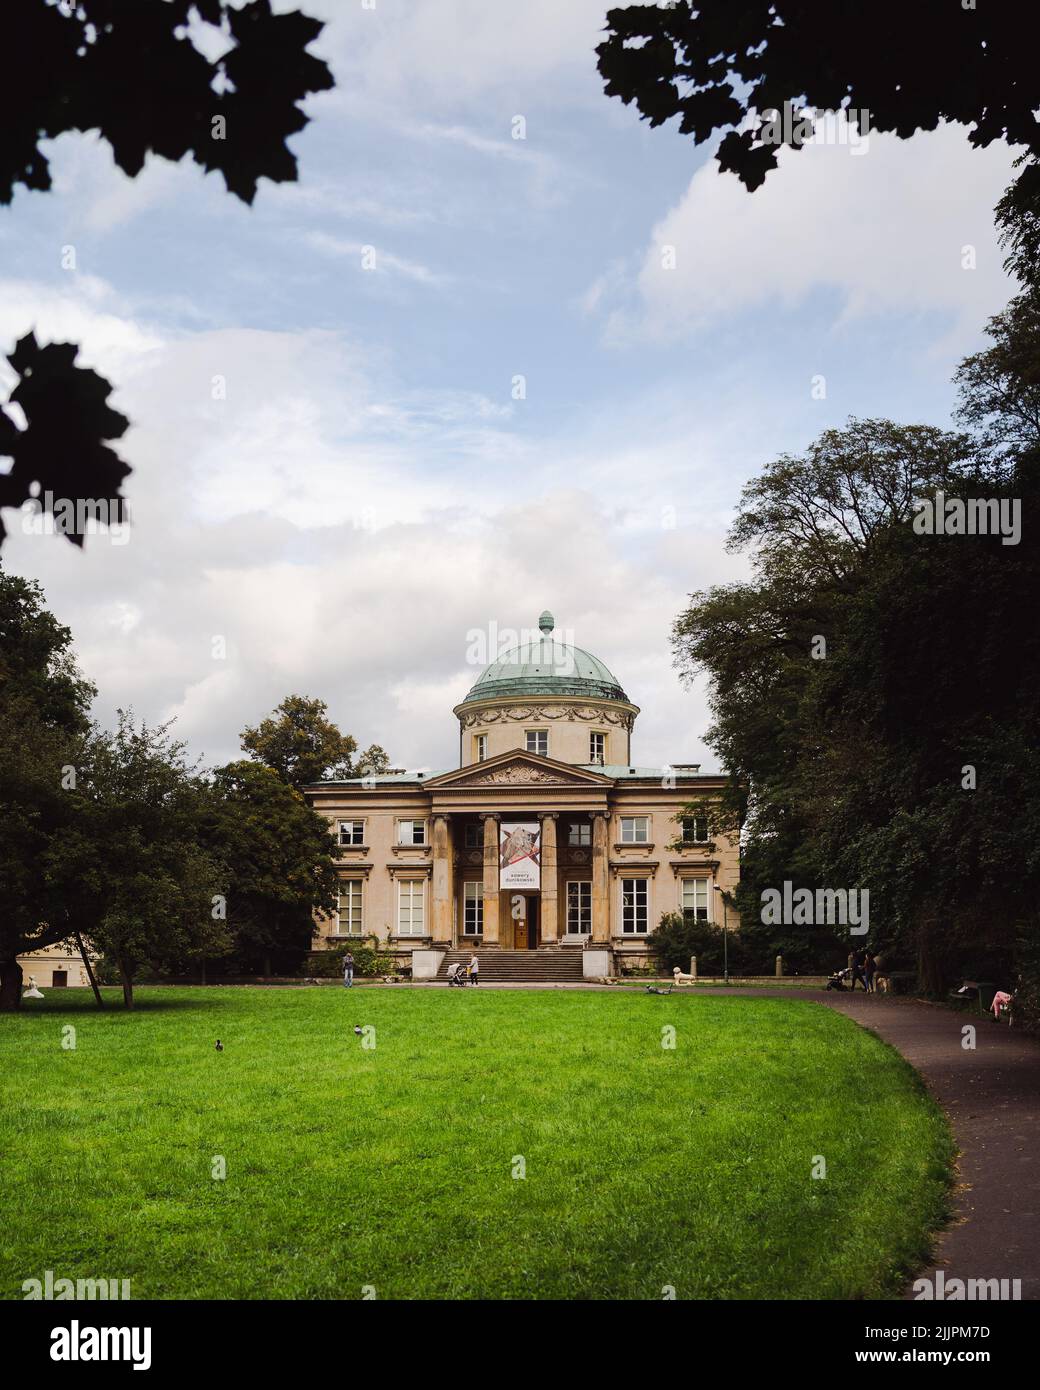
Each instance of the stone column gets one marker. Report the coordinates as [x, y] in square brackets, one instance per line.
[549, 923]
[442, 886]
[600, 877]
[491, 878]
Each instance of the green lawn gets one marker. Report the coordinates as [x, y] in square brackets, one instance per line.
[393, 1167]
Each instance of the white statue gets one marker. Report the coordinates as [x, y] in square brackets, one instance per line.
[32, 992]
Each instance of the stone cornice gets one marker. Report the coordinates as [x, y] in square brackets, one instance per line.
[636, 867]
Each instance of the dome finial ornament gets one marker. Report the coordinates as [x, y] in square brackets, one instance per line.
[546, 622]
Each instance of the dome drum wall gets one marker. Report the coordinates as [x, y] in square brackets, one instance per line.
[551, 697]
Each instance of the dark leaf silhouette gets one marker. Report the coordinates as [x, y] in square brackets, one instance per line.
[129, 70]
[62, 454]
[717, 62]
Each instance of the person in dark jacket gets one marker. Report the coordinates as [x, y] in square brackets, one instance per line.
[858, 962]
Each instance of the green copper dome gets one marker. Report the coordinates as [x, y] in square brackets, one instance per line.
[544, 666]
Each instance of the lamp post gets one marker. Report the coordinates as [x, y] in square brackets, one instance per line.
[725, 936]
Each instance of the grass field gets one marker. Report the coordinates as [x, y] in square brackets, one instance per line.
[393, 1166]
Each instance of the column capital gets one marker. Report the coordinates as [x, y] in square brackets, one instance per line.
[602, 815]
[548, 815]
[489, 815]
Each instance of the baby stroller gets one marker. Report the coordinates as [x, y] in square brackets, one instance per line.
[457, 974]
[837, 980]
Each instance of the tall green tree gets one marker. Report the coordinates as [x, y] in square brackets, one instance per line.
[872, 691]
[279, 857]
[44, 704]
[302, 745]
[133, 873]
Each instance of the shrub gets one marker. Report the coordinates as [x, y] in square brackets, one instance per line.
[369, 960]
[678, 937]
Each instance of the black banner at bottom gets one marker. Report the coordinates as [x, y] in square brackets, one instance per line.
[69, 1339]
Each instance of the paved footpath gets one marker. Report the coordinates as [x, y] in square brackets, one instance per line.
[992, 1098]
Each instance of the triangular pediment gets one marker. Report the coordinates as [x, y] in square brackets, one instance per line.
[518, 768]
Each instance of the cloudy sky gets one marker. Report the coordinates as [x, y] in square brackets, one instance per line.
[370, 492]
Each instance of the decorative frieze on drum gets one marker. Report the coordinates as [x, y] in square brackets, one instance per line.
[517, 714]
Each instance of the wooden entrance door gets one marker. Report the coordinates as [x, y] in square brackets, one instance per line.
[525, 929]
[520, 929]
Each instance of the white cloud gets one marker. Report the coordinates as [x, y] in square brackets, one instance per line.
[250, 525]
[380, 260]
[885, 230]
[455, 51]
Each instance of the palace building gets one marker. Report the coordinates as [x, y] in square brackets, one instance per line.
[548, 851]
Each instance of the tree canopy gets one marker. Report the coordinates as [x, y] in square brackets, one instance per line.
[44, 705]
[135, 73]
[278, 853]
[302, 745]
[722, 65]
[874, 688]
[131, 872]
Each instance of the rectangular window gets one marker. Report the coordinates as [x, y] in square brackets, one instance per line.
[579, 908]
[349, 914]
[473, 908]
[352, 832]
[579, 832]
[410, 907]
[537, 741]
[634, 906]
[694, 830]
[635, 830]
[695, 899]
[480, 744]
[474, 836]
[411, 832]
[597, 748]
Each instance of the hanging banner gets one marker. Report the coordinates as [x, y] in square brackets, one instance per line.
[519, 854]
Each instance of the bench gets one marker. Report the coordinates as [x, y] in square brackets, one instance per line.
[979, 992]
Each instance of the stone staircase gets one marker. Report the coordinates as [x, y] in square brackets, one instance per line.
[553, 967]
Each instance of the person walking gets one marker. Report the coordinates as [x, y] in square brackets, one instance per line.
[869, 970]
[474, 969]
[348, 970]
[858, 958]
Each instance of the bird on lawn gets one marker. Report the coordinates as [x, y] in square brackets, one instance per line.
[357, 1029]
[220, 1046]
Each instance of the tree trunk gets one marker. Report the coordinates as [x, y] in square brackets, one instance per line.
[267, 965]
[202, 971]
[932, 965]
[128, 984]
[10, 985]
[90, 971]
